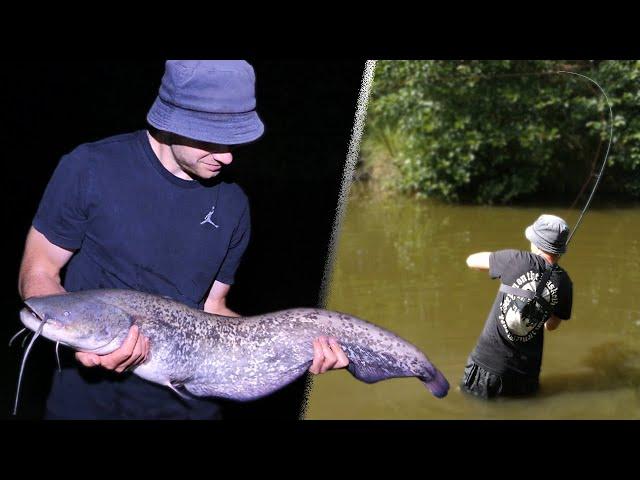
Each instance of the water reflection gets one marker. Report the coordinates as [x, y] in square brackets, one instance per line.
[610, 366]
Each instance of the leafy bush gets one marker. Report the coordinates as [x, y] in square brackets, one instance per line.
[499, 131]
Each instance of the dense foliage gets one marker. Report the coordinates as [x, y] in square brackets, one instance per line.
[498, 131]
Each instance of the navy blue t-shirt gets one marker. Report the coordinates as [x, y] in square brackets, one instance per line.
[138, 226]
[134, 225]
[511, 343]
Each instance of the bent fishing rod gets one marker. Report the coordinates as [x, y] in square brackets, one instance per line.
[604, 162]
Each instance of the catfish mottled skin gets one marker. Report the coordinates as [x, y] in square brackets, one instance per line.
[241, 359]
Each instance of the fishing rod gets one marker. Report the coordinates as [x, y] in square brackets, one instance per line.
[604, 162]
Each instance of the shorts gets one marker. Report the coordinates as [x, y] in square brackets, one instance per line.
[482, 383]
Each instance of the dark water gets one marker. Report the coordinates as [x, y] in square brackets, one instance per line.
[401, 264]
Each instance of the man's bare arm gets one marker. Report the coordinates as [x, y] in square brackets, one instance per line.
[479, 261]
[40, 275]
[216, 302]
[41, 265]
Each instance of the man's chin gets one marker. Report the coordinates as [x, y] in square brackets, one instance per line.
[206, 175]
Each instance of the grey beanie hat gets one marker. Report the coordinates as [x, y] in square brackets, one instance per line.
[549, 233]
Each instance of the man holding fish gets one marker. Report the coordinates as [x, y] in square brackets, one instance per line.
[146, 211]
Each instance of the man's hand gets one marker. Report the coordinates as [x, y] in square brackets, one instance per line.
[552, 323]
[134, 351]
[327, 355]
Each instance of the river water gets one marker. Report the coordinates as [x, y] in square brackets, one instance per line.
[400, 263]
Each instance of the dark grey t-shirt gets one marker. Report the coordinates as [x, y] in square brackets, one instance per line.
[511, 342]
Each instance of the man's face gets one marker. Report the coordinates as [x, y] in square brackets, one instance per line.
[200, 159]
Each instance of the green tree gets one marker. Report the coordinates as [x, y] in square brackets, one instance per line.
[499, 131]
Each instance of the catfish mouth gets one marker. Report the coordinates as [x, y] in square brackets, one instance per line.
[49, 328]
[54, 329]
[39, 318]
[33, 321]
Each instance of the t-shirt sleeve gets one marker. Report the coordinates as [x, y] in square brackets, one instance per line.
[565, 302]
[498, 262]
[237, 247]
[62, 214]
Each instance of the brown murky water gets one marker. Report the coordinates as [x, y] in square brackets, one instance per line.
[400, 263]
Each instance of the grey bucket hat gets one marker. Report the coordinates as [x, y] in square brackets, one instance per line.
[549, 233]
[208, 100]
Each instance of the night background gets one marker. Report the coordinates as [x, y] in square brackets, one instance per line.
[292, 177]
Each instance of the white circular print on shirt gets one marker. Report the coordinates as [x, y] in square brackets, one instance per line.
[517, 326]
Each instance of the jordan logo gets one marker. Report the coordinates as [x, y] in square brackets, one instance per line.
[207, 219]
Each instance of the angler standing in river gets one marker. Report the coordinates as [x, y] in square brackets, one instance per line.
[534, 292]
[147, 211]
